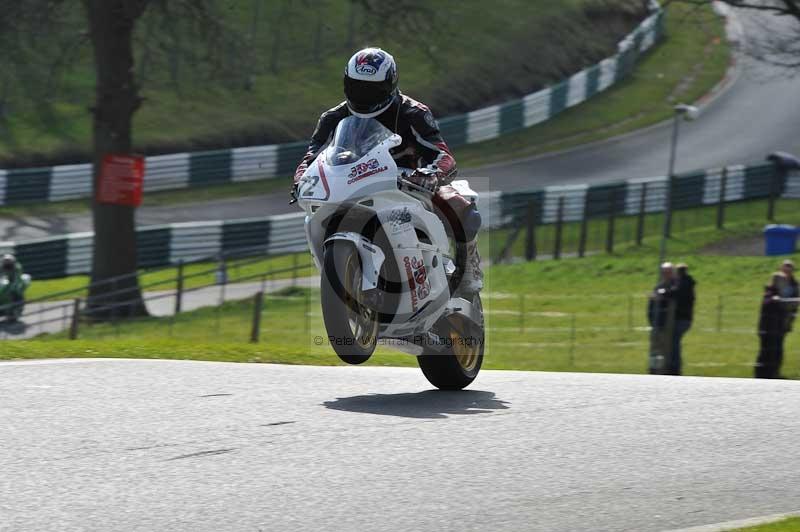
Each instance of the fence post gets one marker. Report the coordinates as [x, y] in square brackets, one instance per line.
[521, 313]
[258, 306]
[76, 313]
[772, 195]
[512, 237]
[723, 185]
[179, 288]
[611, 221]
[559, 228]
[642, 212]
[530, 236]
[719, 312]
[584, 230]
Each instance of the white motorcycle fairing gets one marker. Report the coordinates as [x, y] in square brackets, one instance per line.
[347, 183]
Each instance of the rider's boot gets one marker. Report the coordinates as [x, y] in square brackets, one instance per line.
[472, 281]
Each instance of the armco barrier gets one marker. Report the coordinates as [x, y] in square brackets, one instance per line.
[167, 244]
[182, 170]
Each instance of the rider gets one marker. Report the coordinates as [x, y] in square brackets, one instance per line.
[370, 88]
[12, 269]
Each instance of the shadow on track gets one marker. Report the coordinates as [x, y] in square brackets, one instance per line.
[430, 404]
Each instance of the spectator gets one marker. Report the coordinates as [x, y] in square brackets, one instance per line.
[684, 314]
[771, 331]
[789, 290]
[661, 315]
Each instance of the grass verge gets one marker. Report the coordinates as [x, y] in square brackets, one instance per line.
[572, 315]
[787, 525]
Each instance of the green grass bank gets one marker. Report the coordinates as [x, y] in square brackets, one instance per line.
[261, 72]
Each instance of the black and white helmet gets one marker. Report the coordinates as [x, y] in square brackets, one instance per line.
[8, 263]
[370, 82]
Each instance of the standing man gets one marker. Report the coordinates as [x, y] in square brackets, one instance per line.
[661, 316]
[771, 331]
[778, 312]
[684, 314]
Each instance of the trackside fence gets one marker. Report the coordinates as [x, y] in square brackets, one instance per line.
[552, 222]
[204, 282]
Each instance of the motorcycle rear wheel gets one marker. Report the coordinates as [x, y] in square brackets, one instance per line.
[351, 325]
[458, 364]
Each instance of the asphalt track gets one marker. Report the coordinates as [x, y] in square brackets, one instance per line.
[757, 114]
[194, 446]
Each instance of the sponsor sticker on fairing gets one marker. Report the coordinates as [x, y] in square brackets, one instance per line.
[418, 281]
[399, 221]
[362, 170]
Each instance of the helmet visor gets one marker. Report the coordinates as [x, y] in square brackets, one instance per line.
[367, 96]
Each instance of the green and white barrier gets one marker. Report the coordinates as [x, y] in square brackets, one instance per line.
[167, 244]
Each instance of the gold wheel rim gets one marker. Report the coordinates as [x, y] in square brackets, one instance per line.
[360, 319]
[466, 351]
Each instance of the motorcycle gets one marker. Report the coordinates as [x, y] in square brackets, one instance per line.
[389, 264]
[12, 300]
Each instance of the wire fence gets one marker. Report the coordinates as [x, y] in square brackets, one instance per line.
[206, 282]
[579, 220]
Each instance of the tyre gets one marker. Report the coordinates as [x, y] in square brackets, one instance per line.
[351, 325]
[455, 367]
[459, 254]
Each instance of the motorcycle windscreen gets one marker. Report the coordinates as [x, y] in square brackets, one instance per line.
[354, 138]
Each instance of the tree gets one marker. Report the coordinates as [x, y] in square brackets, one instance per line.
[111, 26]
[779, 43]
[115, 289]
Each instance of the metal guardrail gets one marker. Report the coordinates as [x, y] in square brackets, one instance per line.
[163, 245]
[186, 170]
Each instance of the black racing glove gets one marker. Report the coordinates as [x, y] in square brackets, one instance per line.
[425, 178]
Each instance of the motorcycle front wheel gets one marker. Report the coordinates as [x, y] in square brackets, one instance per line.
[456, 365]
[351, 325]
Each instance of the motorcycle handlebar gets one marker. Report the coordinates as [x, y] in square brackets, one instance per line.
[403, 182]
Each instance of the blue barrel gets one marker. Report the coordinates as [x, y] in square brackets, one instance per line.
[780, 239]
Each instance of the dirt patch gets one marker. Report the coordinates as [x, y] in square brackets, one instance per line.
[739, 246]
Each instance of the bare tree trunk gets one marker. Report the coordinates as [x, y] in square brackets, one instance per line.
[111, 24]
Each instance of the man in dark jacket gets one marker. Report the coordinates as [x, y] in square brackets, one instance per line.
[684, 314]
[371, 91]
[661, 316]
[771, 331]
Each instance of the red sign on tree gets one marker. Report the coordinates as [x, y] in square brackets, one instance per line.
[121, 180]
